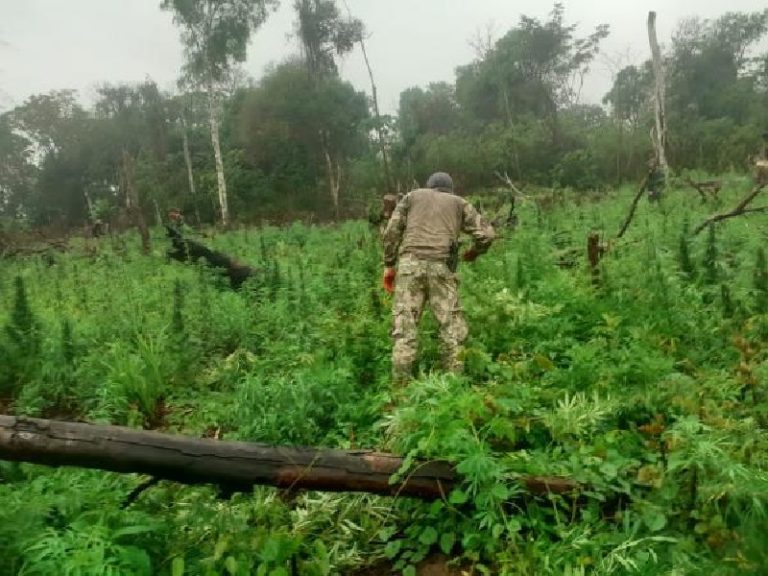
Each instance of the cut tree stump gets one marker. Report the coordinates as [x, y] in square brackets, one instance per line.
[235, 466]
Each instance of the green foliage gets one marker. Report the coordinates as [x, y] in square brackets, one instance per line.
[761, 282]
[283, 125]
[639, 390]
[646, 389]
[515, 109]
[577, 170]
[687, 266]
[216, 34]
[324, 33]
[20, 347]
[709, 263]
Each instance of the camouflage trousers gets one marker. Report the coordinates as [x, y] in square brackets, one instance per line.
[419, 281]
[761, 172]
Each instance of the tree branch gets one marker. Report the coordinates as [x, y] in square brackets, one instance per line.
[741, 208]
[632, 208]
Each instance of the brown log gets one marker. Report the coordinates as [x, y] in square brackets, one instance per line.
[236, 466]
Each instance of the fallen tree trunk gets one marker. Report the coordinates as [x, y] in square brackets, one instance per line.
[185, 250]
[236, 466]
[13, 251]
[633, 207]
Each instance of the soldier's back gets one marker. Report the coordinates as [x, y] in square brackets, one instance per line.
[434, 222]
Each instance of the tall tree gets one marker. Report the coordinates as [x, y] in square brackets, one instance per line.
[432, 111]
[215, 35]
[56, 129]
[380, 128]
[659, 135]
[630, 94]
[47, 119]
[325, 34]
[715, 88]
[281, 122]
[17, 171]
[535, 68]
[629, 101]
[137, 123]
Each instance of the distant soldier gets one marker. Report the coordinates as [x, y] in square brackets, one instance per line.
[761, 163]
[177, 223]
[421, 238]
[98, 228]
[655, 181]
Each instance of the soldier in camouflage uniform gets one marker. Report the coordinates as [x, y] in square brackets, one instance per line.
[761, 163]
[422, 238]
[655, 181]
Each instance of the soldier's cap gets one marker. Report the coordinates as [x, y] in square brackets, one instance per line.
[441, 181]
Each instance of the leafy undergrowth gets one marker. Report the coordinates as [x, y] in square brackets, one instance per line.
[646, 385]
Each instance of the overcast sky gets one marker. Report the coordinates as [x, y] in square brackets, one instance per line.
[52, 44]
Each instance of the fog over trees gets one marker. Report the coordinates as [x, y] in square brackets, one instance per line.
[302, 139]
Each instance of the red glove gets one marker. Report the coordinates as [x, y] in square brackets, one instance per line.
[389, 279]
[470, 255]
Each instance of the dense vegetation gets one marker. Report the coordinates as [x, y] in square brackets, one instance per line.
[301, 140]
[642, 379]
[646, 385]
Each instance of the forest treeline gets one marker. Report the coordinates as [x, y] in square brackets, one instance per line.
[303, 140]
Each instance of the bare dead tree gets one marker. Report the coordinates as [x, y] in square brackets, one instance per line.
[483, 40]
[375, 100]
[659, 136]
[741, 208]
[507, 181]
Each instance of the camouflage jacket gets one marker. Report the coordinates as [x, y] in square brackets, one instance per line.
[427, 222]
